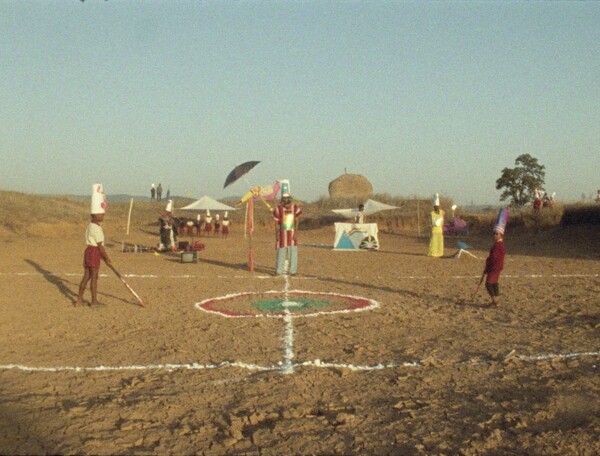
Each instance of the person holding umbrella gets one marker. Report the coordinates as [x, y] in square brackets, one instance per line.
[286, 215]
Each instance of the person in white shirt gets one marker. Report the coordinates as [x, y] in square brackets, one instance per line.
[94, 252]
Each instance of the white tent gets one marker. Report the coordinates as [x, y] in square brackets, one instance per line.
[371, 207]
[206, 202]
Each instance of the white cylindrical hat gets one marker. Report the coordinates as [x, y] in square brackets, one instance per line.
[436, 199]
[98, 205]
[226, 213]
[198, 218]
[501, 221]
[207, 212]
[169, 207]
[217, 217]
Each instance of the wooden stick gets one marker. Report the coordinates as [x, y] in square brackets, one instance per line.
[129, 216]
[250, 207]
[127, 285]
[478, 286]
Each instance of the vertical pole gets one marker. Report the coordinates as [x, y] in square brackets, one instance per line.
[246, 222]
[418, 219]
[250, 208]
[129, 216]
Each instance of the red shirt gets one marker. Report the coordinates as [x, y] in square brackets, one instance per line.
[286, 223]
[495, 262]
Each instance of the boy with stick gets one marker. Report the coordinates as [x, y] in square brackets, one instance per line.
[495, 260]
[94, 237]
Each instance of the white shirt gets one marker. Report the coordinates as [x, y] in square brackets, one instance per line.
[94, 235]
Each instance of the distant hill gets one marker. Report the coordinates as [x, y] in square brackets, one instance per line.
[120, 197]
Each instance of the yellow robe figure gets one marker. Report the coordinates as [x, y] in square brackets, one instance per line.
[436, 243]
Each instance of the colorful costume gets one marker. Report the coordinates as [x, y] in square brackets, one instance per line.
[286, 242]
[436, 242]
[495, 261]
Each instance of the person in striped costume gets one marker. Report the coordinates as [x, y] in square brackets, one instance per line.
[287, 216]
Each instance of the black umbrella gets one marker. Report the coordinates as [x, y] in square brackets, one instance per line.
[239, 171]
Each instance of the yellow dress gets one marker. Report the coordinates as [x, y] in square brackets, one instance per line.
[436, 243]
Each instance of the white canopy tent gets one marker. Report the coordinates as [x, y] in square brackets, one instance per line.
[207, 203]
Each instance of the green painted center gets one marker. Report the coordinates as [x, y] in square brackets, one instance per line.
[292, 304]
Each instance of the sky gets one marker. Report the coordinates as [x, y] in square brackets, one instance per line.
[419, 97]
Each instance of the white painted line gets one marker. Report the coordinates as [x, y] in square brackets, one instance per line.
[252, 276]
[168, 367]
[288, 338]
[372, 304]
[556, 356]
[352, 367]
[314, 363]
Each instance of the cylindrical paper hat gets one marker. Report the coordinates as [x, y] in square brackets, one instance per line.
[436, 199]
[501, 221]
[207, 212]
[226, 213]
[198, 218]
[169, 207]
[98, 205]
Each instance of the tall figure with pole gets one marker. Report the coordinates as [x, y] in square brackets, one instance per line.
[287, 216]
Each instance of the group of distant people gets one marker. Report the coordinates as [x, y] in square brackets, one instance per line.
[171, 227]
[541, 199]
[156, 193]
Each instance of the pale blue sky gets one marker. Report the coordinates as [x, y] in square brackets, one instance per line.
[420, 97]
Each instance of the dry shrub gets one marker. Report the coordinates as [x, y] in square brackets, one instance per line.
[581, 214]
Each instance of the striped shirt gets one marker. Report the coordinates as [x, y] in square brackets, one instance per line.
[286, 223]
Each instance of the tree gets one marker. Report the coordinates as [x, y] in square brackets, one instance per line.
[519, 183]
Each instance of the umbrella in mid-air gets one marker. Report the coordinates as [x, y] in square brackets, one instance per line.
[239, 171]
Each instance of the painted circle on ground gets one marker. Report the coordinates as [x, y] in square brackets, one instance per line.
[281, 304]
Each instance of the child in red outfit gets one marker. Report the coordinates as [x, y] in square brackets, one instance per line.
[494, 265]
